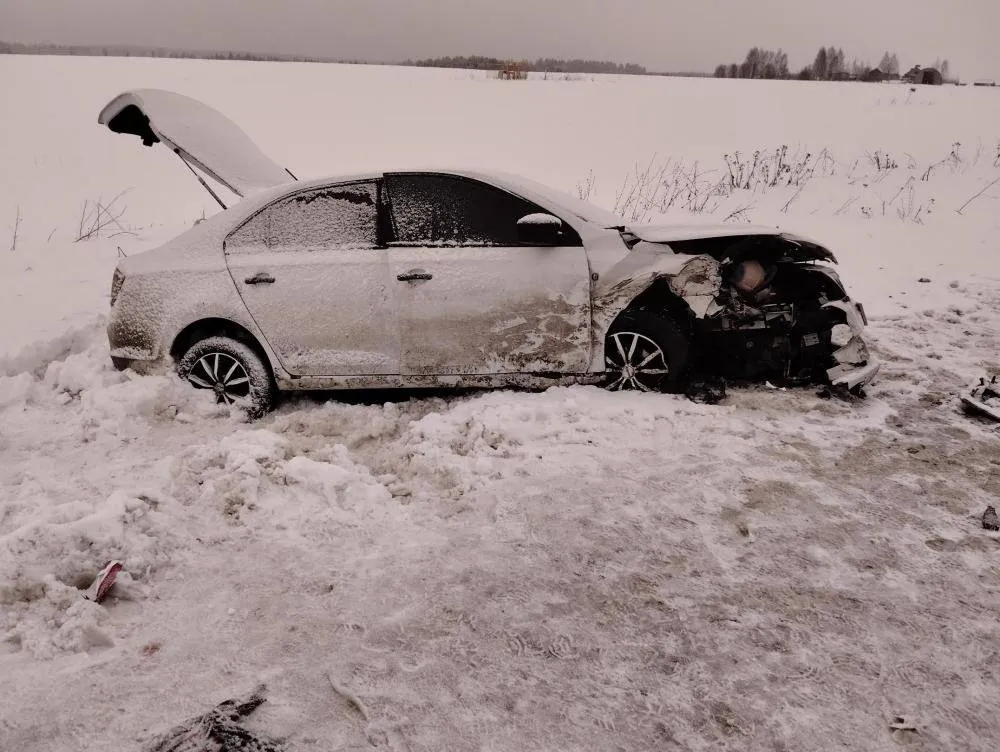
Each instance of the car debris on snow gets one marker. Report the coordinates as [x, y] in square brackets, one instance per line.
[902, 727]
[218, 730]
[707, 391]
[102, 583]
[990, 519]
[983, 399]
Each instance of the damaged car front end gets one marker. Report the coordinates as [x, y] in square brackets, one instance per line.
[758, 304]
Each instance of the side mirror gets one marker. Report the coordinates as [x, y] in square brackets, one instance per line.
[539, 229]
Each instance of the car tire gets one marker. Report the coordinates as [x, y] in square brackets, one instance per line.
[233, 371]
[648, 352]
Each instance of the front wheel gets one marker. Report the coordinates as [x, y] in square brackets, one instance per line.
[232, 370]
[646, 352]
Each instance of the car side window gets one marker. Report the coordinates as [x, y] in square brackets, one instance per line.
[429, 209]
[334, 217]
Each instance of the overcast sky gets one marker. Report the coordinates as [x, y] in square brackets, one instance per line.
[663, 35]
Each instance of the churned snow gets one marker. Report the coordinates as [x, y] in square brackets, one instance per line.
[564, 570]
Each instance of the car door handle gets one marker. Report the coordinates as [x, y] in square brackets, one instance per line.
[260, 278]
[414, 274]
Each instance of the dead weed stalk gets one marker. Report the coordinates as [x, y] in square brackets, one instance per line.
[16, 228]
[664, 184]
[96, 218]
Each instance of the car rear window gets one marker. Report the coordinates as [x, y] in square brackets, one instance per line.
[334, 217]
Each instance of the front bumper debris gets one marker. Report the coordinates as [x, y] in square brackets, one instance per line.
[983, 399]
[853, 377]
[855, 366]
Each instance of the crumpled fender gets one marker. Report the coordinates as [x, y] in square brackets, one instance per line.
[694, 278]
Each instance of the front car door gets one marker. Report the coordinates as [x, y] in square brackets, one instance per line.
[312, 272]
[473, 299]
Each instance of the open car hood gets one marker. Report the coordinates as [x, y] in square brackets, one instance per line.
[198, 134]
[720, 240]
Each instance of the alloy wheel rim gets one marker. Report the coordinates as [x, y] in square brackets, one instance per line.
[221, 373]
[635, 361]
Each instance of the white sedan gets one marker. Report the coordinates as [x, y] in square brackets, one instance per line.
[456, 279]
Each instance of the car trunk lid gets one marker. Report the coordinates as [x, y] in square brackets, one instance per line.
[200, 135]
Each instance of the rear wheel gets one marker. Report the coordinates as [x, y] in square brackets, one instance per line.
[646, 352]
[232, 370]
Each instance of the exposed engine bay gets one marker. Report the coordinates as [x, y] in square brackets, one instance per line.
[761, 314]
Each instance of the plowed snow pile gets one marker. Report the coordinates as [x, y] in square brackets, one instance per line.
[565, 570]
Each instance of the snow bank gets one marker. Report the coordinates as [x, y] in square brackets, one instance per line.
[423, 550]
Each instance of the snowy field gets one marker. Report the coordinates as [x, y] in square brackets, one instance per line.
[567, 570]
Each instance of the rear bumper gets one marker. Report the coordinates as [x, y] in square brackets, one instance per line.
[132, 338]
[124, 359]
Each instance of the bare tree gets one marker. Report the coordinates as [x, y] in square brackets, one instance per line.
[781, 64]
[751, 64]
[820, 66]
[834, 63]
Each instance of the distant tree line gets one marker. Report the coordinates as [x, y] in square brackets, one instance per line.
[830, 64]
[127, 50]
[475, 62]
[550, 65]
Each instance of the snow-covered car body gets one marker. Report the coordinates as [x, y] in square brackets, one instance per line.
[456, 277]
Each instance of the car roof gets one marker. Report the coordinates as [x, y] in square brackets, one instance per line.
[529, 189]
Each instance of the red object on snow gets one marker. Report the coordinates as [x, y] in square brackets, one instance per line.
[105, 579]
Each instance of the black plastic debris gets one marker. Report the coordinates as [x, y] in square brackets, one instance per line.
[990, 519]
[708, 391]
[218, 730]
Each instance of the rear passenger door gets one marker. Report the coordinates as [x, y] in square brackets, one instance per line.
[470, 297]
[313, 272]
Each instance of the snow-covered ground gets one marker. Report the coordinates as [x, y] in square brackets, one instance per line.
[506, 571]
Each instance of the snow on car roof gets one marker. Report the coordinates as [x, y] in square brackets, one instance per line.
[519, 184]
